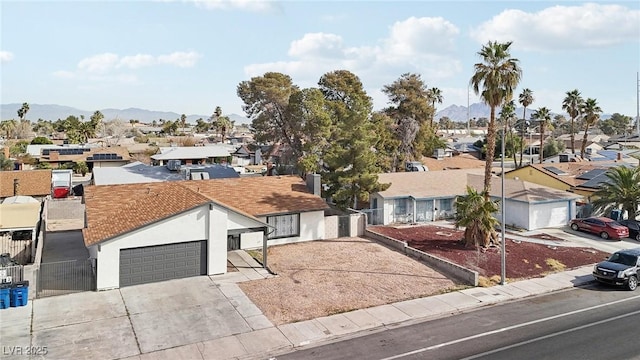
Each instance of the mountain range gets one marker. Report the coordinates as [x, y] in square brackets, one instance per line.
[54, 112]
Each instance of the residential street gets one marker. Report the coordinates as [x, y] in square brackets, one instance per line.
[593, 322]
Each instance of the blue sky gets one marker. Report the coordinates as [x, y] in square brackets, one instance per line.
[189, 56]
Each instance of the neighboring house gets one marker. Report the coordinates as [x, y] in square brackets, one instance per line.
[139, 173]
[581, 177]
[95, 157]
[140, 233]
[35, 183]
[192, 155]
[243, 156]
[418, 196]
[429, 196]
[464, 161]
[597, 154]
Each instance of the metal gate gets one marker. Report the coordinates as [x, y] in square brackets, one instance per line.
[344, 226]
[65, 277]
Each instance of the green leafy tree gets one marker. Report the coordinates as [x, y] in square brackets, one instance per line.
[591, 112]
[620, 191]
[5, 163]
[573, 104]
[41, 140]
[8, 128]
[81, 168]
[266, 103]
[475, 214]
[387, 144]
[543, 117]
[525, 99]
[494, 79]
[617, 124]
[553, 147]
[43, 127]
[409, 96]
[18, 148]
[350, 160]
[314, 126]
[201, 126]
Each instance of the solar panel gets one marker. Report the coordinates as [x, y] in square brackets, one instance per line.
[554, 170]
[45, 151]
[595, 182]
[591, 174]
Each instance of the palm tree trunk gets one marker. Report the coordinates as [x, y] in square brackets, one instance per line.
[573, 137]
[491, 147]
[524, 115]
[541, 152]
[583, 146]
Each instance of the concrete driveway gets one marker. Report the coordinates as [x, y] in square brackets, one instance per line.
[586, 239]
[134, 321]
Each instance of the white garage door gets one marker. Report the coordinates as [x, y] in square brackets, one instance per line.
[163, 262]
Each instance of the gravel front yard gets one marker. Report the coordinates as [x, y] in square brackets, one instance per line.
[326, 277]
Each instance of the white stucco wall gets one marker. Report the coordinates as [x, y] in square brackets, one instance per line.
[201, 223]
[517, 214]
[252, 240]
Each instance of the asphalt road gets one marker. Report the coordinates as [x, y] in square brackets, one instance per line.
[594, 322]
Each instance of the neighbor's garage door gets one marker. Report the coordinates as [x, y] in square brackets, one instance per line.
[163, 262]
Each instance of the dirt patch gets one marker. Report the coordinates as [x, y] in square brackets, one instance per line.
[523, 259]
[326, 277]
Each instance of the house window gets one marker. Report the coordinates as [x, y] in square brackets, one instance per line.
[285, 225]
[400, 206]
[446, 204]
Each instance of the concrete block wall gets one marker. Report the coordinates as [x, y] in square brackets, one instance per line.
[444, 266]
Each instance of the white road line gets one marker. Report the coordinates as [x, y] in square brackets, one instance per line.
[550, 336]
[497, 331]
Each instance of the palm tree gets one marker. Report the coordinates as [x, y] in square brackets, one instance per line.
[621, 190]
[183, 121]
[435, 96]
[591, 112]
[22, 112]
[525, 99]
[494, 80]
[475, 214]
[572, 104]
[543, 116]
[223, 124]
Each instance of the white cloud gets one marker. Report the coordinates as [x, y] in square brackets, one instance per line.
[6, 56]
[137, 61]
[423, 45]
[249, 5]
[180, 59]
[100, 63]
[317, 45]
[562, 27]
[64, 74]
[109, 67]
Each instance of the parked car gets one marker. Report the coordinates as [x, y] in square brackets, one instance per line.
[604, 227]
[415, 166]
[633, 226]
[621, 268]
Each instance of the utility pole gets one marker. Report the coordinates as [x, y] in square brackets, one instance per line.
[638, 102]
[468, 113]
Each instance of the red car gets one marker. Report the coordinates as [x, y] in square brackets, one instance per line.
[605, 227]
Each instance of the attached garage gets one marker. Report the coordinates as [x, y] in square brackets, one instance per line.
[162, 262]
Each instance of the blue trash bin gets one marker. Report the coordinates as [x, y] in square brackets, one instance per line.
[5, 294]
[19, 293]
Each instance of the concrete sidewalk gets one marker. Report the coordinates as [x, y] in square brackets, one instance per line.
[273, 340]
